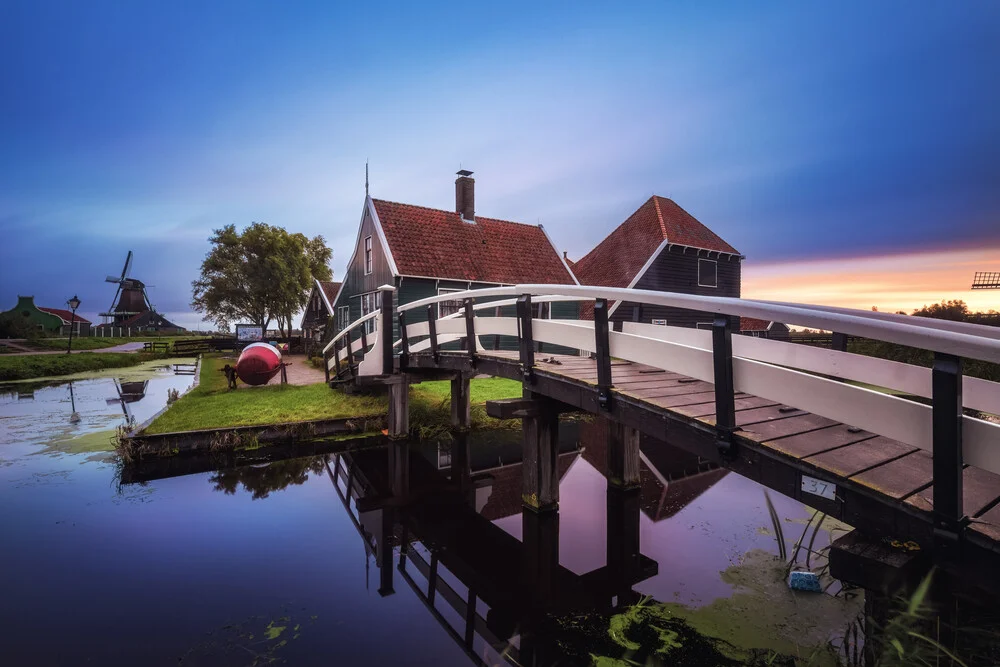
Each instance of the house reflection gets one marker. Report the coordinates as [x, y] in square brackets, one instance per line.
[428, 515]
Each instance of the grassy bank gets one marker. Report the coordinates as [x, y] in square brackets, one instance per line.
[97, 343]
[24, 367]
[211, 405]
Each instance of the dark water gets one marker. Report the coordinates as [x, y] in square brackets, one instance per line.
[280, 562]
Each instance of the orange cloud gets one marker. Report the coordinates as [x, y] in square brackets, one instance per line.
[890, 282]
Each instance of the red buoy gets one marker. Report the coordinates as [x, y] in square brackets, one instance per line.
[258, 363]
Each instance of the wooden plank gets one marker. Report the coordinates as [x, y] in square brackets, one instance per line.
[670, 389]
[899, 478]
[708, 408]
[758, 415]
[819, 440]
[988, 524]
[682, 399]
[980, 488]
[851, 459]
[764, 431]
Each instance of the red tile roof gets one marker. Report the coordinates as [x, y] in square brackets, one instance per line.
[439, 244]
[619, 258]
[66, 315]
[753, 324]
[330, 290]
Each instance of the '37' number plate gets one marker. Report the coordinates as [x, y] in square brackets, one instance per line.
[818, 487]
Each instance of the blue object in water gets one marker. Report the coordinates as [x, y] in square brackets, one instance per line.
[804, 581]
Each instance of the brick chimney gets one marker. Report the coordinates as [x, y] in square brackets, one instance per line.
[465, 195]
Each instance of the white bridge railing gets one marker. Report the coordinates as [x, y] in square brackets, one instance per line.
[801, 376]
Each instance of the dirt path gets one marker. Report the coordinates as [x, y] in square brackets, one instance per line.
[300, 372]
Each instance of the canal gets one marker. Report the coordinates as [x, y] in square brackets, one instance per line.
[371, 555]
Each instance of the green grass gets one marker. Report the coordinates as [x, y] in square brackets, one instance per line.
[211, 405]
[23, 367]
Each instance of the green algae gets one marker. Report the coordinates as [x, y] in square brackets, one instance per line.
[145, 370]
[89, 443]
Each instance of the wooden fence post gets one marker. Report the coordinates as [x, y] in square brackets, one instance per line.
[336, 359]
[525, 339]
[470, 330]
[432, 330]
[946, 392]
[725, 400]
[603, 347]
[388, 317]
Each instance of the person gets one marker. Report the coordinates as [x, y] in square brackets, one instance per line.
[230, 372]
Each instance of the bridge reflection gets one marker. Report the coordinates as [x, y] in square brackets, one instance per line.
[427, 516]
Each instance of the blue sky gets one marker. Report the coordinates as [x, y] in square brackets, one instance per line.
[797, 131]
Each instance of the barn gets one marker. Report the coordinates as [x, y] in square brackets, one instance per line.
[57, 321]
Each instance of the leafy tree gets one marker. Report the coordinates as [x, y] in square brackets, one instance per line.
[261, 274]
[955, 310]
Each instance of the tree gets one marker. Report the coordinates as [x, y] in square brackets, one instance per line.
[262, 274]
[955, 310]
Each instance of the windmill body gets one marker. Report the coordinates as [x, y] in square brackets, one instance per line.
[131, 306]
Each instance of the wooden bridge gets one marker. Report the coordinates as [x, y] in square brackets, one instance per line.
[892, 449]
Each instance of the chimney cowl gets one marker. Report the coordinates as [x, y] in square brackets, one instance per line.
[465, 195]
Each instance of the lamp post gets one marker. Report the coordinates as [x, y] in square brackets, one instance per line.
[73, 303]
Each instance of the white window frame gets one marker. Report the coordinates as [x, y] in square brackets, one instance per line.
[715, 264]
[452, 303]
[369, 264]
[343, 317]
[370, 302]
[659, 322]
[703, 325]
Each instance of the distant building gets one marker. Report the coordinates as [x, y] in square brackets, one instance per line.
[426, 252]
[318, 315]
[48, 320]
[751, 326]
[149, 320]
[662, 247]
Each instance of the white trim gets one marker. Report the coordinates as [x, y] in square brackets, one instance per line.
[645, 267]
[561, 258]
[381, 235]
[368, 256]
[716, 263]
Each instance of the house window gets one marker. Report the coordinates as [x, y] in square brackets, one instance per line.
[662, 323]
[703, 325]
[343, 317]
[708, 270]
[451, 306]
[543, 311]
[368, 255]
[370, 302]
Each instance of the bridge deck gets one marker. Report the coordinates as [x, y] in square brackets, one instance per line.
[883, 486]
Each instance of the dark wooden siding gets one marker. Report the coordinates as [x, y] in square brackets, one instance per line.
[356, 282]
[677, 271]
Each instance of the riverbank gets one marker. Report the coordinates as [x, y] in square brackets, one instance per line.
[211, 405]
[35, 366]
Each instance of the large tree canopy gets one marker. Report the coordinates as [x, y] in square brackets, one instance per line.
[263, 274]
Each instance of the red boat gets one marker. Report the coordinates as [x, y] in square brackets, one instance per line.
[258, 363]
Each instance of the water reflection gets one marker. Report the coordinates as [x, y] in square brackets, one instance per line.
[262, 480]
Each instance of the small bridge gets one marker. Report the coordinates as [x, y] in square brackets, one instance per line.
[893, 449]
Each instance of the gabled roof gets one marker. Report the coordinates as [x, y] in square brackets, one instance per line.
[432, 243]
[66, 315]
[623, 256]
[329, 291]
[753, 324]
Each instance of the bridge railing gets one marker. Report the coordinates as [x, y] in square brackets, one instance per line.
[807, 378]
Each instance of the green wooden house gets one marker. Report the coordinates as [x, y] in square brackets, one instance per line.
[48, 320]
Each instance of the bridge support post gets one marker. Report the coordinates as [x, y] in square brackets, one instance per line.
[946, 393]
[622, 543]
[603, 347]
[623, 456]
[540, 489]
[388, 316]
[525, 340]
[460, 403]
[540, 555]
[725, 395]
[838, 342]
[399, 405]
[461, 461]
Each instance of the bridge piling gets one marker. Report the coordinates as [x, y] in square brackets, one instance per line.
[622, 544]
[623, 455]
[461, 405]
[399, 405]
[540, 490]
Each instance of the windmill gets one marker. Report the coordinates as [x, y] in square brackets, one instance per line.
[986, 280]
[130, 297]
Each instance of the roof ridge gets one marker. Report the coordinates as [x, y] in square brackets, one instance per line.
[441, 210]
[659, 215]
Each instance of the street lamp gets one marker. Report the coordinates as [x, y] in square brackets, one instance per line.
[73, 303]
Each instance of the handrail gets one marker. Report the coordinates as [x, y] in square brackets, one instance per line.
[858, 323]
[351, 327]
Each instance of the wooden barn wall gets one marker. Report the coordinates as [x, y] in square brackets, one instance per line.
[677, 271]
[356, 282]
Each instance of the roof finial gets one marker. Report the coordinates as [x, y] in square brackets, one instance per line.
[366, 178]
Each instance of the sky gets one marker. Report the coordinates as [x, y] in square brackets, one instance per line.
[850, 150]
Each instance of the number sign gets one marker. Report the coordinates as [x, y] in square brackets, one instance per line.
[818, 487]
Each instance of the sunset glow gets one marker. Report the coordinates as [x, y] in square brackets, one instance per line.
[891, 282]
